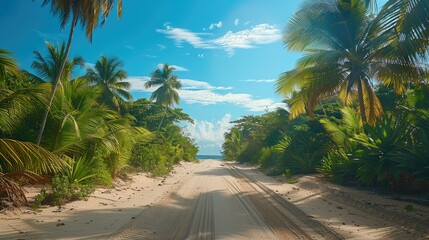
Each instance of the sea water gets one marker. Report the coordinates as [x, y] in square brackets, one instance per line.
[205, 157]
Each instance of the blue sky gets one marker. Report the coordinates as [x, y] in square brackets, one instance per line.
[227, 53]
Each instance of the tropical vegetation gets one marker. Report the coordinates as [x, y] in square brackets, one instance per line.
[96, 131]
[357, 99]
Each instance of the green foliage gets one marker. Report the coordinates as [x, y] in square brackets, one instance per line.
[287, 175]
[338, 166]
[165, 149]
[108, 75]
[81, 170]
[391, 154]
[149, 114]
[409, 208]
[267, 158]
[377, 146]
[251, 133]
[303, 149]
[152, 158]
[62, 191]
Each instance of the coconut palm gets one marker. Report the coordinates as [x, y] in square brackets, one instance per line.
[88, 13]
[408, 22]
[109, 75]
[343, 51]
[47, 67]
[166, 94]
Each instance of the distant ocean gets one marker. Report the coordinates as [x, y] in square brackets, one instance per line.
[204, 157]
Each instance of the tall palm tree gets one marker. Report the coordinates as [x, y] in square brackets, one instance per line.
[344, 52]
[88, 13]
[166, 94]
[109, 75]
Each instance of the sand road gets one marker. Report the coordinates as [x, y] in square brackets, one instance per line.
[218, 201]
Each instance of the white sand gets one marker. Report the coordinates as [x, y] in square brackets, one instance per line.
[114, 210]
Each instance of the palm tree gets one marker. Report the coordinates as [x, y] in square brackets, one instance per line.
[109, 75]
[344, 52]
[47, 67]
[166, 95]
[88, 13]
[408, 22]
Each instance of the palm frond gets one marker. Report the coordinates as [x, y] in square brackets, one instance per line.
[24, 156]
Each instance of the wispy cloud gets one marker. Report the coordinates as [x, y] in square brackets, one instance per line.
[244, 39]
[176, 68]
[138, 82]
[236, 22]
[150, 56]
[218, 25]
[161, 47]
[200, 55]
[51, 37]
[130, 47]
[189, 84]
[199, 92]
[260, 34]
[180, 35]
[208, 97]
[89, 65]
[260, 80]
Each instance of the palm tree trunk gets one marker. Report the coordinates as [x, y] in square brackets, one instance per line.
[162, 119]
[323, 109]
[57, 80]
[361, 101]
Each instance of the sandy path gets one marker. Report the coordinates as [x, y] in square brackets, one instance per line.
[218, 202]
[104, 213]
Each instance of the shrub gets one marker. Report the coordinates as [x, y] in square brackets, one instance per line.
[151, 158]
[62, 191]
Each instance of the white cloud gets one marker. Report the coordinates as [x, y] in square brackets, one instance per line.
[198, 92]
[161, 47]
[180, 35]
[201, 55]
[177, 68]
[209, 97]
[244, 39]
[137, 83]
[188, 84]
[259, 34]
[246, 23]
[130, 47]
[210, 132]
[236, 22]
[260, 80]
[150, 56]
[89, 65]
[218, 25]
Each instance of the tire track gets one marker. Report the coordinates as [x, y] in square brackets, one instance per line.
[285, 219]
[203, 225]
[185, 213]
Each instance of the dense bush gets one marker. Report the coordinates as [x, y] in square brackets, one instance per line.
[62, 191]
[152, 158]
[389, 154]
